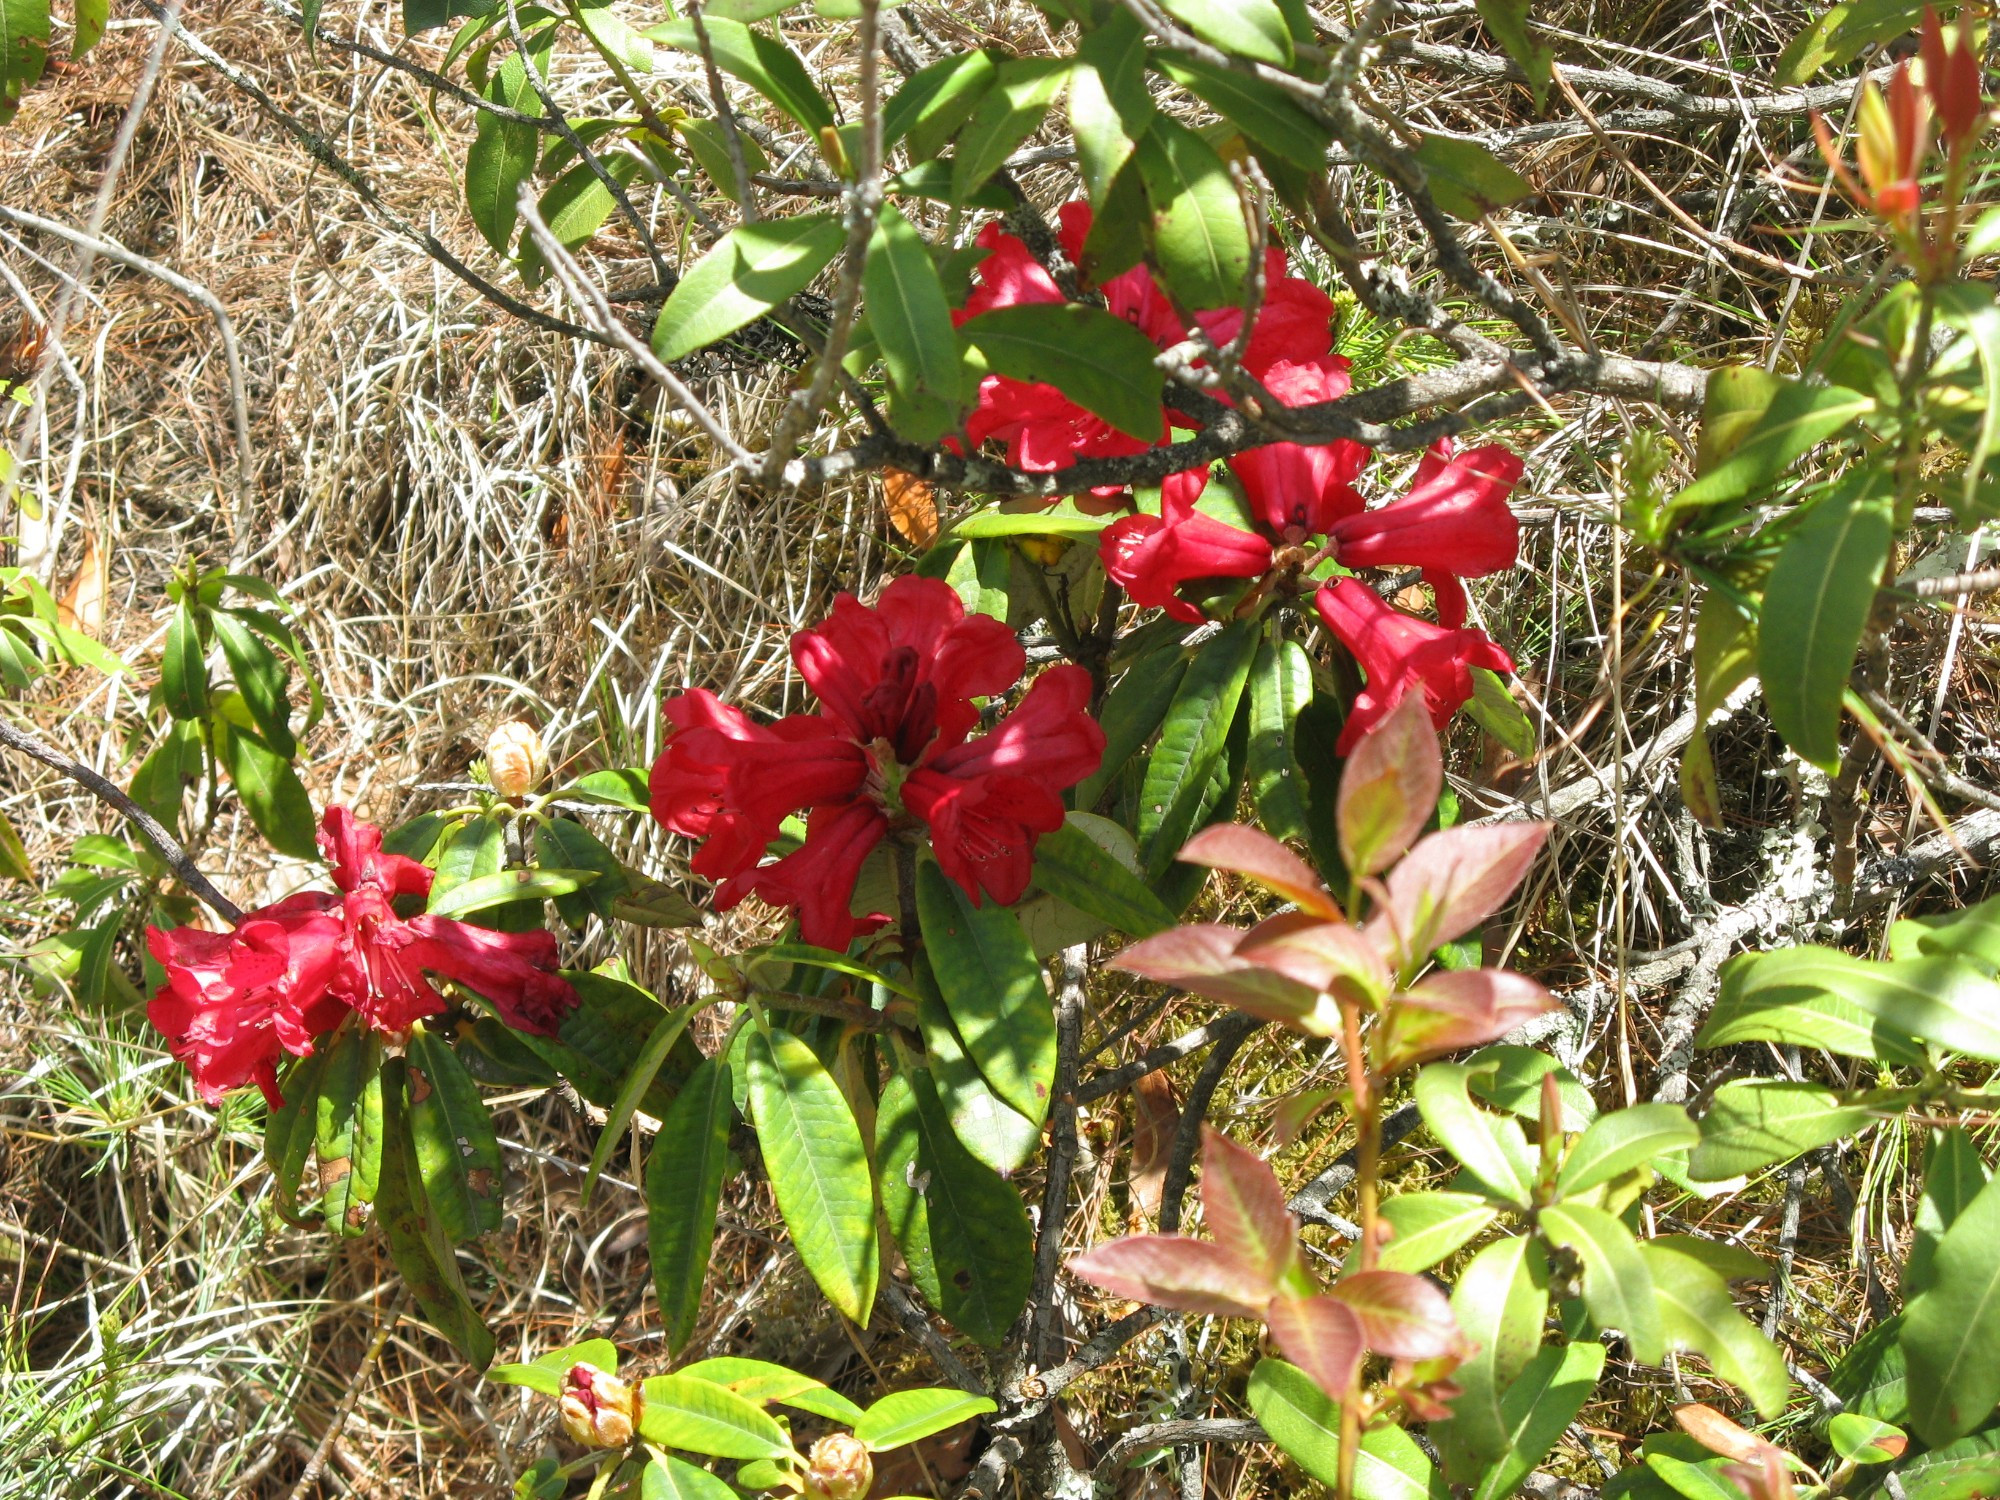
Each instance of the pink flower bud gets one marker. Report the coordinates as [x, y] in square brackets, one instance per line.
[598, 1409]
[515, 759]
[838, 1468]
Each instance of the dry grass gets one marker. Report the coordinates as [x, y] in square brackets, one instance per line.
[477, 521]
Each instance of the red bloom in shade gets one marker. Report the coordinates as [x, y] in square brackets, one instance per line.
[235, 1002]
[1454, 523]
[897, 683]
[1400, 652]
[1300, 491]
[1152, 556]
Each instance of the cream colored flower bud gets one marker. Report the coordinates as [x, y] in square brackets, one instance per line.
[838, 1468]
[515, 759]
[598, 1410]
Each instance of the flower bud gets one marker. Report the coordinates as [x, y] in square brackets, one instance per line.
[598, 1409]
[515, 759]
[838, 1468]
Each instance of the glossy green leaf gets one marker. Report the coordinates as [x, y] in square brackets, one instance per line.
[1951, 1331]
[1536, 1410]
[995, 1133]
[911, 321]
[760, 60]
[1501, 1301]
[576, 204]
[1758, 1122]
[1624, 1139]
[272, 794]
[24, 50]
[1954, 1177]
[261, 678]
[1696, 1312]
[684, 1171]
[764, 1383]
[503, 153]
[902, 1417]
[348, 1138]
[1132, 710]
[547, 1371]
[1816, 601]
[1968, 1469]
[1810, 996]
[598, 1040]
[1725, 654]
[1469, 1134]
[1280, 687]
[1305, 1422]
[1199, 239]
[982, 1244]
[289, 1130]
[90, 18]
[818, 1168]
[457, 1152]
[933, 103]
[745, 274]
[1430, 1226]
[1253, 29]
[898, 1165]
[1008, 112]
[678, 1411]
[645, 1068]
[1617, 1286]
[417, 1245]
[1861, 1439]
[1098, 360]
[561, 844]
[484, 892]
[624, 787]
[1466, 180]
[1507, 20]
[1109, 106]
[1193, 740]
[1841, 33]
[1797, 418]
[668, 1478]
[1263, 112]
[183, 670]
[1071, 865]
[994, 990]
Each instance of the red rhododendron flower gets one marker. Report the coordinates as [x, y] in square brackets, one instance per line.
[1454, 523]
[234, 1002]
[897, 683]
[1298, 490]
[1400, 652]
[1152, 556]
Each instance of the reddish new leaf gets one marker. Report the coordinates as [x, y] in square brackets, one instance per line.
[1454, 880]
[1322, 1337]
[1389, 787]
[1255, 855]
[1201, 959]
[1455, 1009]
[1245, 1207]
[1404, 1316]
[1718, 1434]
[1176, 1271]
[1324, 955]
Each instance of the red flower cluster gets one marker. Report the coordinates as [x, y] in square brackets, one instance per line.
[1042, 428]
[235, 1002]
[891, 744]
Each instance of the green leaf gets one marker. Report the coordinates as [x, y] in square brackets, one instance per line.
[566, 846]
[668, 1478]
[457, 1153]
[1968, 1469]
[484, 892]
[1098, 360]
[1305, 1422]
[1501, 1301]
[1758, 1122]
[1725, 654]
[990, 1129]
[819, 1172]
[1193, 742]
[547, 1371]
[576, 205]
[1063, 520]
[624, 787]
[272, 794]
[1254, 29]
[1536, 1410]
[260, 678]
[183, 669]
[684, 1171]
[993, 989]
[1508, 21]
[24, 50]
[90, 18]
[1430, 1226]
[1007, 113]
[290, 1129]
[1280, 687]
[417, 1245]
[1071, 865]
[1954, 1176]
[1494, 710]
[1733, 402]
[349, 1135]
[1816, 602]
[1797, 418]
[1466, 180]
[1618, 1288]
[898, 1156]
[1260, 110]
[1627, 1138]
[1841, 34]
[933, 103]
[503, 152]
[762, 1382]
[784, 954]
[1109, 107]
[902, 1417]
[1859, 1439]
[678, 1411]
[598, 1040]
[1870, 1377]
[1697, 1313]
[745, 274]
[1470, 1135]
[1951, 1331]
[911, 321]
[1132, 710]
[1810, 996]
[645, 1068]
[1199, 239]
[760, 60]
[981, 1243]
[708, 144]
